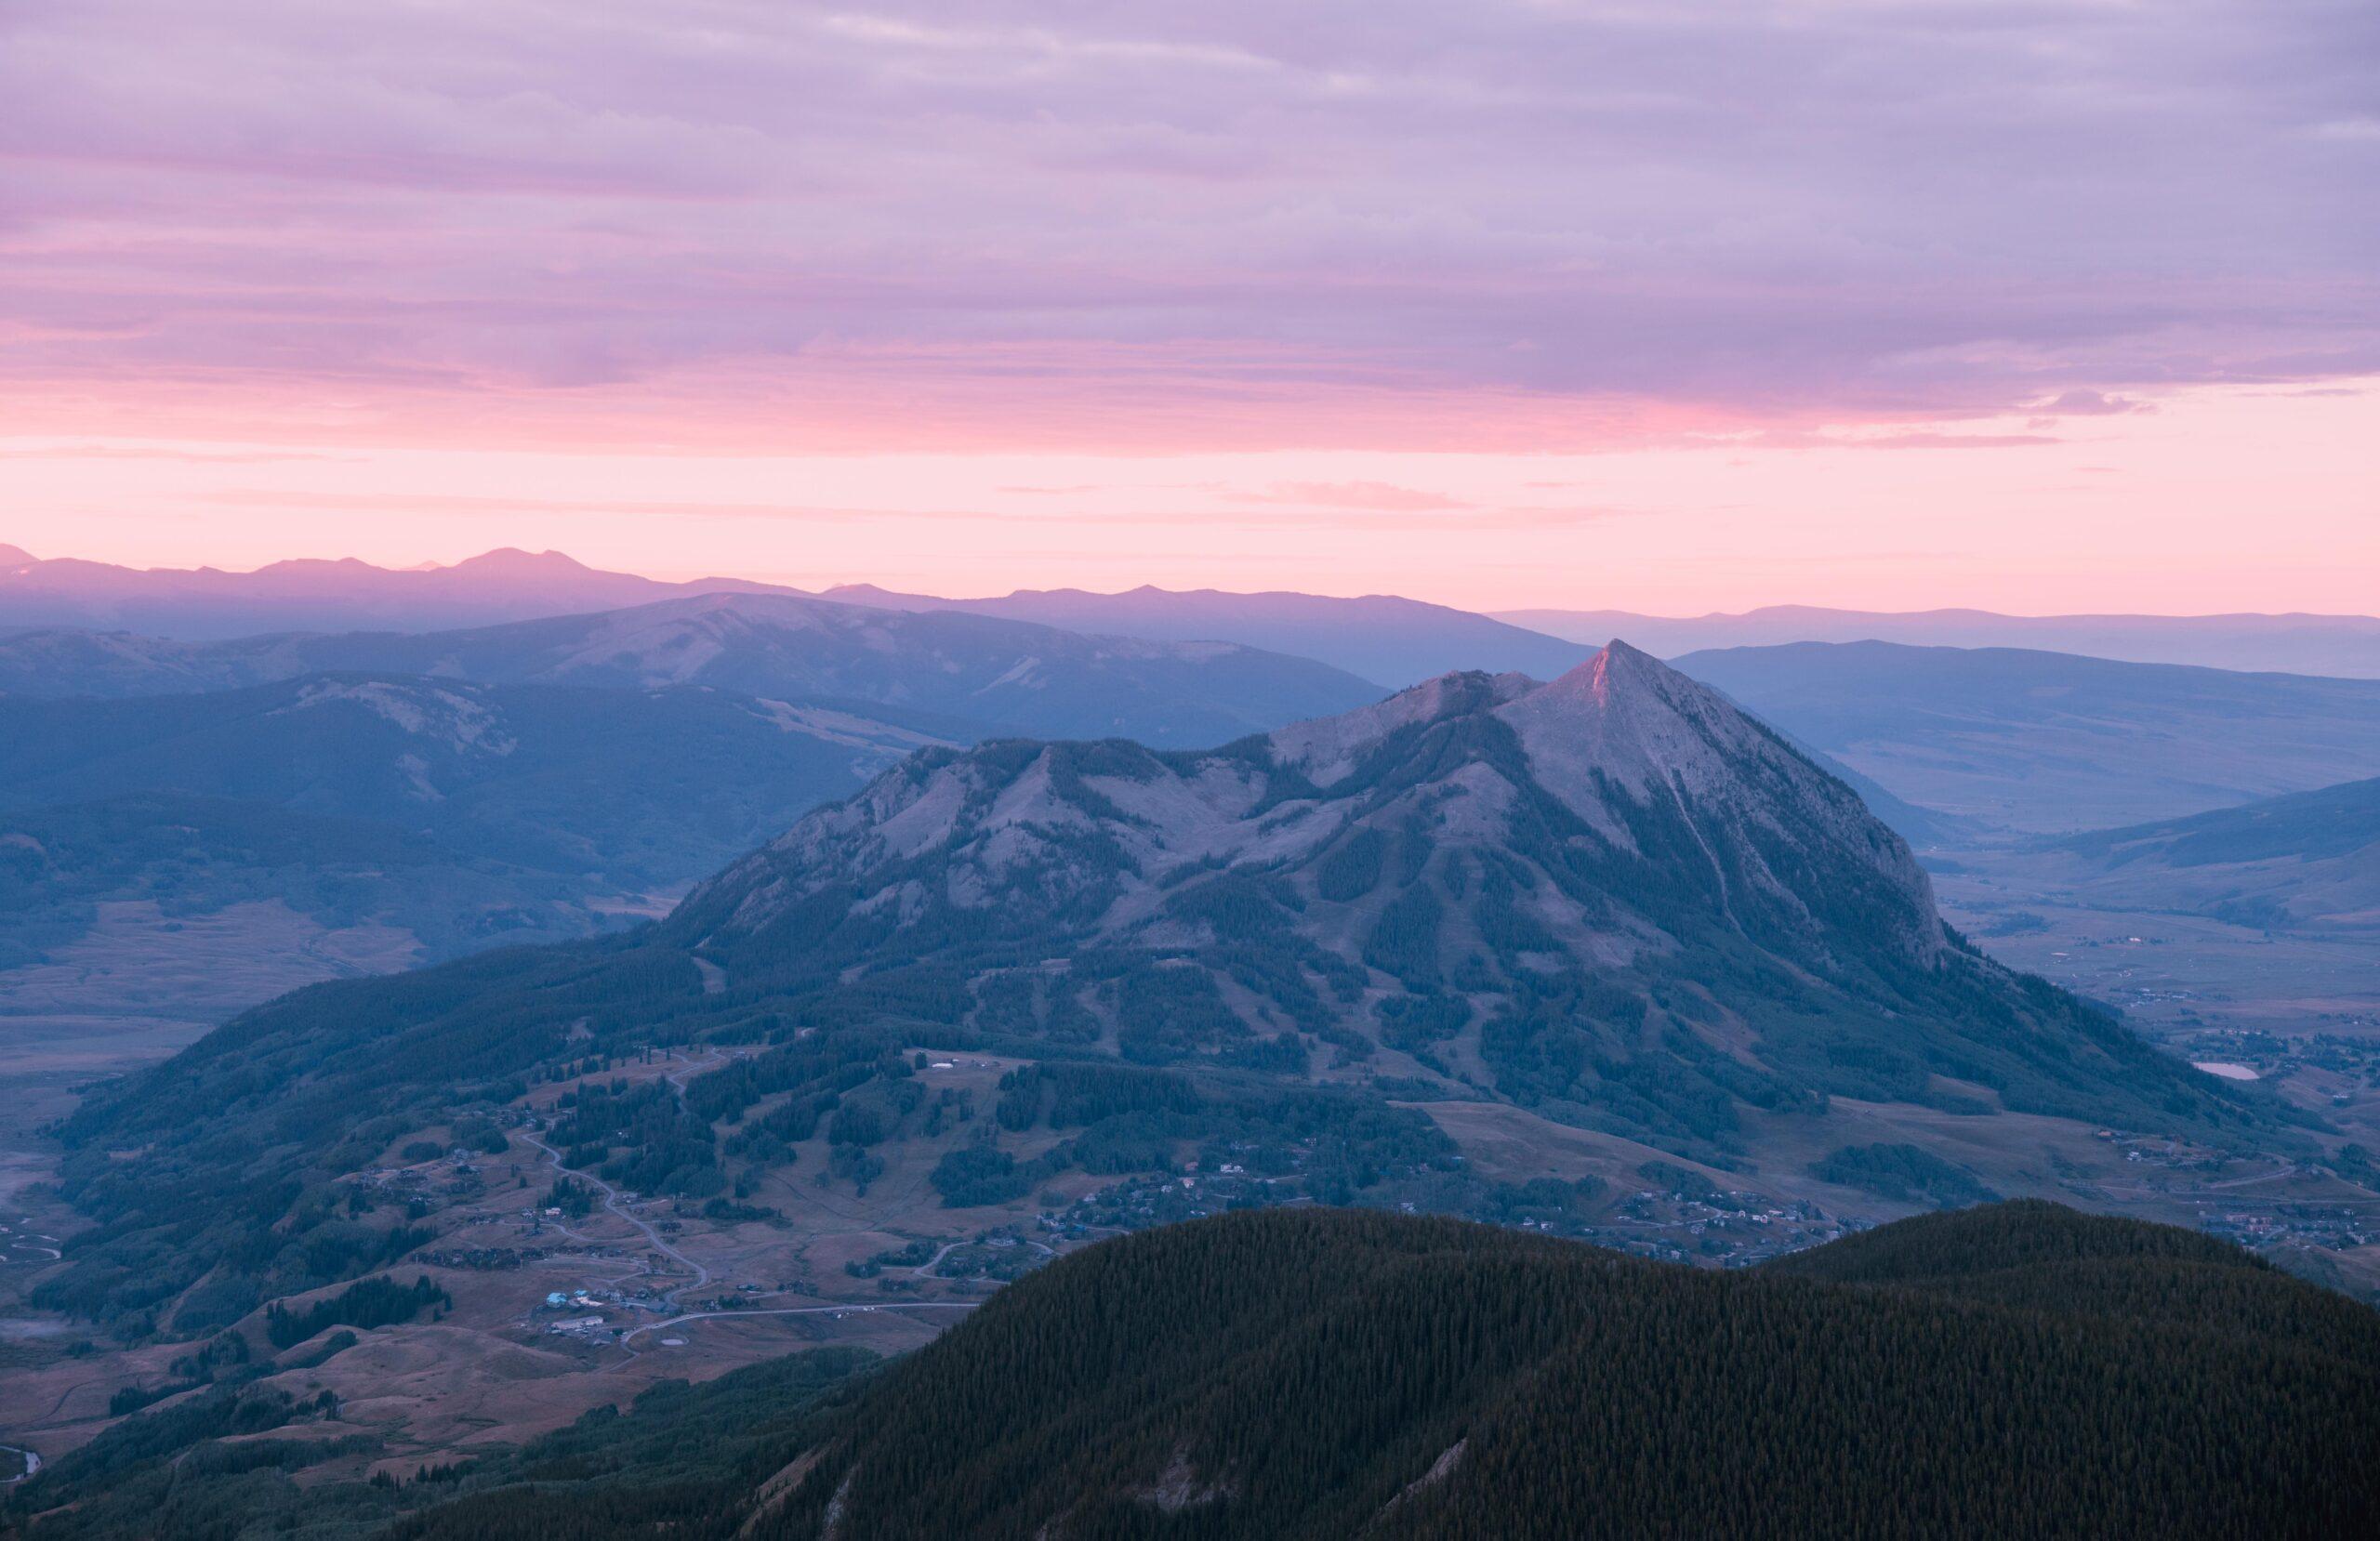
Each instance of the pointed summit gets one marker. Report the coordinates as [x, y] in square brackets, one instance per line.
[1626, 715]
[1653, 784]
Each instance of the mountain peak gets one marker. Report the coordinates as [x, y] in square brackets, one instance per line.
[1626, 716]
[1616, 665]
[1631, 773]
[510, 561]
[16, 555]
[1613, 894]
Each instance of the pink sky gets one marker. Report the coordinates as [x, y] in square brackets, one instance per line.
[2032, 304]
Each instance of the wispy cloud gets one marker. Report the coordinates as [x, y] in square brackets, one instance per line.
[1231, 225]
[2089, 403]
[1433, 517]
[1789, 440]
[174, 456]
[1377, 495]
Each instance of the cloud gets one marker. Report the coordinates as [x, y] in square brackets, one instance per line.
[2089, 403]
[1949, 441]
[1361, 519]
[1903, 440]
[181, 456]
[1232, 225]
[1379, 496]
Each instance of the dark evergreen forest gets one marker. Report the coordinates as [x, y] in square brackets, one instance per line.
[2017, 1369]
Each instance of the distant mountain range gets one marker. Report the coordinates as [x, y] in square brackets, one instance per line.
[206, 602]
[192, 827]
[989, 673]
[1386, 639]
[2343, 646]
[2050, 742]
[1387, 642]
[190, 855]
[1393, 641]
[1946, 745]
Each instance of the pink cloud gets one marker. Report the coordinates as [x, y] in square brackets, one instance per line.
[1220, 227]
[2089, 403]
[1443, 516]
[1904, 441]
[1377, 495]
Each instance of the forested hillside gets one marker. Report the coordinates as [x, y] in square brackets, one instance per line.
[2015, 1370]
[1322, 1374]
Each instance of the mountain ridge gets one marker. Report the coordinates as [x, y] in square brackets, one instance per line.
[2309, 861]
[997, 674]
[348, 594]
[2048, 743]
[202, 854]
[323, 594]
[1388, 639]
[2294, 642]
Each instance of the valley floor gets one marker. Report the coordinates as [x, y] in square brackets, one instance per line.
[2296, 1010]
[554, 1314]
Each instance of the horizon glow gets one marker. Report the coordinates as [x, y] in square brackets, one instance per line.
[2037, 306]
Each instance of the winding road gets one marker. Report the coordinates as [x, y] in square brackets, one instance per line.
[612, 1195]
[612, 1202]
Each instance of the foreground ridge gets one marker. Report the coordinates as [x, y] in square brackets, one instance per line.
[2015, 1369]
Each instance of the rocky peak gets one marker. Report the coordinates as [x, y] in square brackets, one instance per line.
[1660, 785]
[1613, 894]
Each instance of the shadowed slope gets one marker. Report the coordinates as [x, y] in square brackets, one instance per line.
[1329, 1374]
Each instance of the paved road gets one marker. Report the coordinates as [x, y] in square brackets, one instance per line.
[804, 1311]
[32, 1463]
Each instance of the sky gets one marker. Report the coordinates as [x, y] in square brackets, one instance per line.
[2040, 305]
